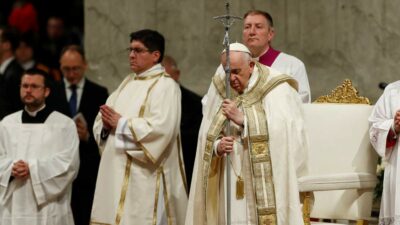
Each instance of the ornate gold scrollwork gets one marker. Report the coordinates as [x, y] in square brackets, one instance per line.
[345, 93]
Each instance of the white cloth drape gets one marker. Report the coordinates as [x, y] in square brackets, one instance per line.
[51, 150]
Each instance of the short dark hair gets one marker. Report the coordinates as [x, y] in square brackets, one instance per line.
[267, 16]
[12, 36]
[29, 39]
[73, 48]
[153, 40]
[44, 74]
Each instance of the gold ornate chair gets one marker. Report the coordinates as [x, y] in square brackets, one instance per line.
[342, 163]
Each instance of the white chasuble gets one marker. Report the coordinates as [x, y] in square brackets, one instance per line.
[287, 143]
[51, 150]
[141, 174]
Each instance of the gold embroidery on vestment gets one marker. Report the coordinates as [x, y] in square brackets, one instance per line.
[261, 164]
[121, 204]
[166, 200]
[181, 165]
[156, 196]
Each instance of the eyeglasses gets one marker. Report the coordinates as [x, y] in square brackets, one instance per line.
[136, 50]
[32, 86]
[74, 69]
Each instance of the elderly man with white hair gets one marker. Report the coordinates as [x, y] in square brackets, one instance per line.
[267, 147]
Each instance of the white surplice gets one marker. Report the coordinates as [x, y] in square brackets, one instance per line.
[51, 150]
[381, 120]
[290, 65]
[153, 183]
[288, 149]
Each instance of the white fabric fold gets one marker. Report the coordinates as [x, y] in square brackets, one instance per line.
[51, 151]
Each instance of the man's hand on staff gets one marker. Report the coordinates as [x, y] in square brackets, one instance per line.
[225, 146]
[231, 111]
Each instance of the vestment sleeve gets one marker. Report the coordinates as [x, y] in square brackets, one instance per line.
[123, 136]
[381, 121]
[160, 123]
[211, 90]
[51, 175]
[286, 125]
[304, 87]
[6, 163]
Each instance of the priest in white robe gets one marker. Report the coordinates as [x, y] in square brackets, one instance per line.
[258, 33]
[141, 177]
[268, 148]
[384, 132]
[39, 160]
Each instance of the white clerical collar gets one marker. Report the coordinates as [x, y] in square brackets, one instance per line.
[4, 65]
[28, 65]
[34, 113]
[79, 85]
[156, 69]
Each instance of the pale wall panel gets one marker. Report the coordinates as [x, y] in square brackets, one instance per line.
[336, 39]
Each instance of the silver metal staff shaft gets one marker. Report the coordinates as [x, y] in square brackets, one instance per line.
[227, 20]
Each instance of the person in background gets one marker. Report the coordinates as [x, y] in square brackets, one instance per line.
[10, 73]
[82, 98]
[56, 38]
[23, 17]
[26, 57]
[258, 33]
[190, 117]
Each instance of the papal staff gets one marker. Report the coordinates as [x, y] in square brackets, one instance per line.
[227, 20]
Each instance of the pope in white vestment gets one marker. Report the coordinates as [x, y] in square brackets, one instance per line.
[51, 150]
[385, 140]
[269, 153]
[141, 175]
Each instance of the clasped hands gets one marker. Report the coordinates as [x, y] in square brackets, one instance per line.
[20, 169]
[109, 117]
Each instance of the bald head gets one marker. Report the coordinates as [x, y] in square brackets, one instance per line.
[171, 67]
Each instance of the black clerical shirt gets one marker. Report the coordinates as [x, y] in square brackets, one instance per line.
[40, 117]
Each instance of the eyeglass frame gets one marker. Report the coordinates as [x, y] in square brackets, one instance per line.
[137, 51]
[74, 69]
[32, 86]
